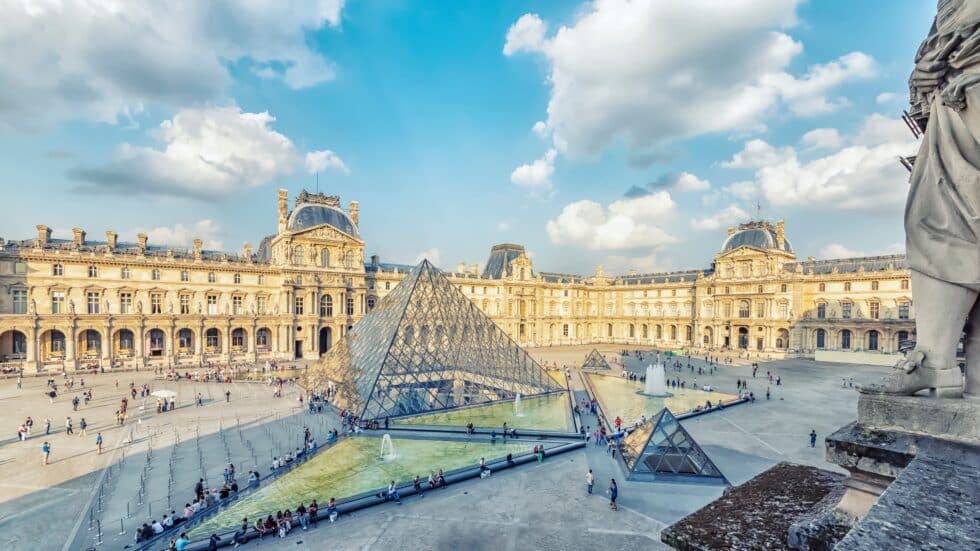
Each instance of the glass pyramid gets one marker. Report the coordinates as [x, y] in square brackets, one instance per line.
[595, 361]
[426, 347]
[661, 449]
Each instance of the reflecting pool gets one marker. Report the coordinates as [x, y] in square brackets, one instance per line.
[552, 412]
[354, 466]
[621, 398]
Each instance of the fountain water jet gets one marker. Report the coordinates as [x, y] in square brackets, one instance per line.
[656, 383]
[386, 443]
[518, 408]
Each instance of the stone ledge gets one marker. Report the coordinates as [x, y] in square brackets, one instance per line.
[948, 418]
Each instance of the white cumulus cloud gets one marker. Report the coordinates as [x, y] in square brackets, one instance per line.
[625, 224]
[688, 182]
[108, 59]
[432, 254]
[181, 235]
[822, 138]
[207, 152]
[756, 153]
[837, 250]
[725, 217]
[318, 161]
[633, 72]
[885, 97]
[536, 176]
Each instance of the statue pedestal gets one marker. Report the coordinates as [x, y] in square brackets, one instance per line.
[953, 419]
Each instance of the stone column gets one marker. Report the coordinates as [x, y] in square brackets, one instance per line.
[31, 364]
[70, 347]
[139, 347]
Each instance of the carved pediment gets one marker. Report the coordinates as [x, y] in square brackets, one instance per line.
[324, 233]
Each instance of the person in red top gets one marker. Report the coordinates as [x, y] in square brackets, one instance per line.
[618, 422]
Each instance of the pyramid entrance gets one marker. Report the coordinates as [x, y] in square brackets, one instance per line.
[595, 361]
[662, 449]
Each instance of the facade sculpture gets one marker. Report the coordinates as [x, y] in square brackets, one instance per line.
[942, 215]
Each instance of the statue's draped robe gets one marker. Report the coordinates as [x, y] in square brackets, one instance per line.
[942, 215]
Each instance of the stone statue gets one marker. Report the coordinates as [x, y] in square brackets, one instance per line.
[942, 214]
[71, 306]
[139, 306]
[33, 307]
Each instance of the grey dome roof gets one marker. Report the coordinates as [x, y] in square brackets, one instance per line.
[760, 237]
[311, 215]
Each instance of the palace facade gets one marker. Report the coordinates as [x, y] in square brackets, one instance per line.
[80, 303]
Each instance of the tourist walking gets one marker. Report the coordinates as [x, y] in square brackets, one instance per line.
[589, 480]
[613, 494]
[68, 428]
[46, 452]
[83, 425]
[47, 426]
[98, 442]
[813, 438]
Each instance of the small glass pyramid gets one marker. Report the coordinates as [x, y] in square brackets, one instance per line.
[426, 347]
[662, 450]
[595, 361]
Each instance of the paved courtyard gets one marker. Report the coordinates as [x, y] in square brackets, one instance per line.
[544, 506]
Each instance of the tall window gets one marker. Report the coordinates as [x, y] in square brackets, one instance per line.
[350, 306]
[156, 303]
[238, 338]
[743, 309]
[261, 279]
[349, 259]
[298, 306]
[387, 285]
[845, 310]
[155, 274]
[212, 338]
[902, 337]
[57, 343]
[212, 277]
[760, 309]
[370, 304]
[325, 258]
[212, 304]
[125, 303]
[297, 255]
[185, 275]
[185, 304]
[236, 305]
[782, 288]
[847, 285]
[93, 271]
[57, 270]
[262, 338]
[564, 329]
[821, 311]
[20, 268]
[57, 302]
[326, 306]
[903, 310]
[873, 310]
[123, 273]
[238, 279]
[845, 339]
[872, 340]
[260, 305]
[93, 302]
[905, 284]
[783, 310]
[20, 301]
[821, 338]
[185, 339]
[759, 289]
[156, 341]
[822, 287]
[874, 285]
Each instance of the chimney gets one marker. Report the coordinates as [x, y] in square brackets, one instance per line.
[375, 260]
[198, 244]
[355, 209]
[461, 268]
[43, 234]
[283, 209]
[475, 269]
[141, 242]
[781, 233]
[247, 252]
[79, 237]
[111, 239]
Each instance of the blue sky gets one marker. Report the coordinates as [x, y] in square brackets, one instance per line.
[427, 110]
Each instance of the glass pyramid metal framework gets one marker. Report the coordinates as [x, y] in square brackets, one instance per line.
[426, 347]
[662, 450]
[595, 361]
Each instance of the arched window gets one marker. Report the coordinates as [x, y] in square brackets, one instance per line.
[370, 303]
[632, 331]
[93, 271]
[212, 338]
[297, 258]
[872, 340]
[156, 339]
[673, 332]
[349, 259]
[902, 337]
[845, 339]
[782, 339]
[326, 306]
[821, 338]
[644, 331]
[57, 270]
[688, 333]
[660, 332]
[609, 329]
[185, 339]
[238, 338]
[325, 258]
[743, 309]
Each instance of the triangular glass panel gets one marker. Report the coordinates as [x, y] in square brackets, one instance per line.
[595, 361]
[427, 347]
[661, 449]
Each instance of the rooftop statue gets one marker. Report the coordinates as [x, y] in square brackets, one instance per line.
[942, 215]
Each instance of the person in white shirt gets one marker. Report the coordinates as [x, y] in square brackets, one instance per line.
[157, 527]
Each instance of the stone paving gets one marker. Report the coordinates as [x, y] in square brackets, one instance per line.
[544, 506]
